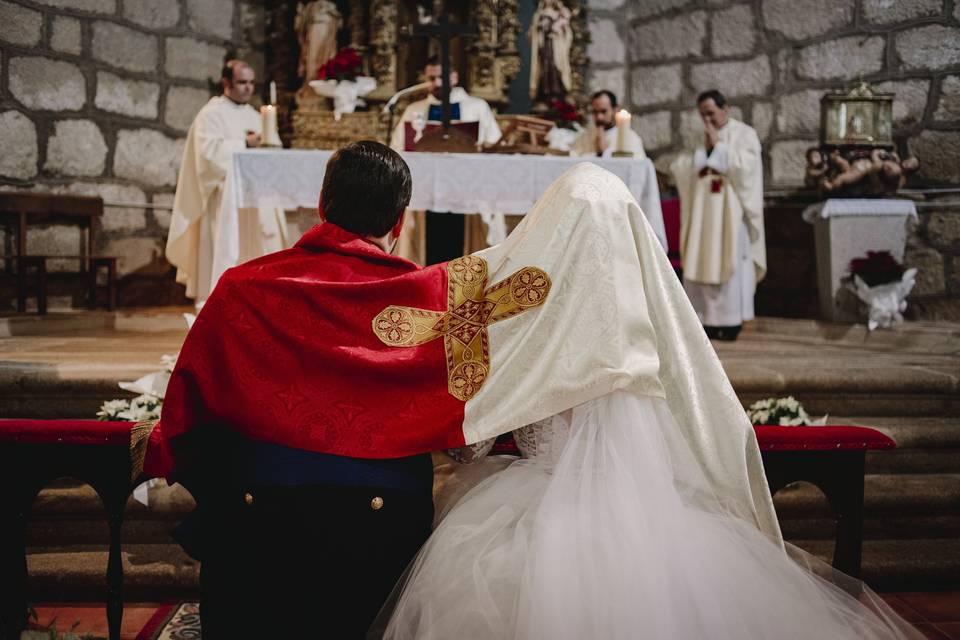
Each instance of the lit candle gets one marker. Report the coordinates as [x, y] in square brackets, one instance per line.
[270, 136]
[623, 124]
[273, 92]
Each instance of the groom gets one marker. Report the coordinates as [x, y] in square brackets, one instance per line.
[292, 542]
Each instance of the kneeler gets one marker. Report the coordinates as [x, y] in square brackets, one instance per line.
[832, 458]
[34, 452]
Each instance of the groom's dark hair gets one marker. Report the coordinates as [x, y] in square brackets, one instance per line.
[366, 187]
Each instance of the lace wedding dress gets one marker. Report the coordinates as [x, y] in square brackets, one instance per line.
[606, 529]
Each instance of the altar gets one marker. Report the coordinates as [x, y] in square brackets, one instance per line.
[261, 182]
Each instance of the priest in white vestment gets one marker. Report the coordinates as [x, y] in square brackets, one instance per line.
[413, 243]
[599, 139]
[470, 109]
[227, 123]
[722, 245]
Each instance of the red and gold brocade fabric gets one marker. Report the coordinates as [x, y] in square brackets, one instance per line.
[284, 352]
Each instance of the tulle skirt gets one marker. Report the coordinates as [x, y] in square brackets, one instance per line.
[620, 538]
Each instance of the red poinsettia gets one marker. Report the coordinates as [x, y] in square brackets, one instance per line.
[879, 267]
[346, 65]
[564, 114]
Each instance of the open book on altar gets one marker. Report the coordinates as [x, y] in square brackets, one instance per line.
[461, 137]
[522, 134]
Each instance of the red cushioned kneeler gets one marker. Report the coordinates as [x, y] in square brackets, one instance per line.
[35, 452]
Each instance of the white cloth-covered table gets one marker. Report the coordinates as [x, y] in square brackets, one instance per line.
[858, 207]
[489, 184]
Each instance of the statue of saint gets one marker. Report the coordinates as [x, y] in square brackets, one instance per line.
[551, 37]
[316, 27]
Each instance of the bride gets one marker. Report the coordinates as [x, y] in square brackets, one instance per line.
[639, 508]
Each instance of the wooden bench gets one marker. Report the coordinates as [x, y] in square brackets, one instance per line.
[32, 454]
[20, 210]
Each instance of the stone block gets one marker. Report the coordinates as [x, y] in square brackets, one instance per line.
[147, 156]
[189, 58]
[644, 8]
[735, 78]
[668, 38]
[124, 48]
[18, 132]
[211, 17]
[64, 240]
[799, 112]
[611, 80]
[115, 219]
[943, 227]
[43, 84]
[606, 45]
[89, 6]
[929, 265]
[948, 108]
[801, 19]
[910, 101]
[153, 14]
[761, 119]
[655, 84]
[930, 47]
[733, 31]
[129, 97]
[788, 161]
[135, 254]
[163, 209]
[655, 130]
[889, 11]
[66, 35]
[183, 104]
[76, 148]
[842, 59]
[253, 20]
[21, 26]
[939, 154]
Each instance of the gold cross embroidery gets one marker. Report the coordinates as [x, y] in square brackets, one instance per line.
[470, 309]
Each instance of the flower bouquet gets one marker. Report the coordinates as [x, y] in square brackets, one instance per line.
[340, 79]
[567, 123]
[784, 412]
[882, 284]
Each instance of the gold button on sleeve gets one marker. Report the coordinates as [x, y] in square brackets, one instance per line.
[248, 498]
[377, 503]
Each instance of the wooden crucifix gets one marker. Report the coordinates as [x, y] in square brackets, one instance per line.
[445, 138]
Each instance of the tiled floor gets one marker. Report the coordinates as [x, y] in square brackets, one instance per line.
[936, 614]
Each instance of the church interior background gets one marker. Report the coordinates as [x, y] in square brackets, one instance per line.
[96, 97]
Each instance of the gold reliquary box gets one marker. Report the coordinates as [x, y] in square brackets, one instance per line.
[862, 117]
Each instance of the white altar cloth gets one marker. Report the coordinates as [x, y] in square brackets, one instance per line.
[261, 179]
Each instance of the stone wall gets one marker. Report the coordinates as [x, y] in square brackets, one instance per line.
[774, 59]
[96, 97]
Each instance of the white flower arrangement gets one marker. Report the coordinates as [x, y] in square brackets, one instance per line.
[785, 412]
[146, 406]
[143, 407]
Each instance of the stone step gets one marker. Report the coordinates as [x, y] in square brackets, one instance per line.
[163, 571]
[902, 565]
[78, 573]
[901, 506]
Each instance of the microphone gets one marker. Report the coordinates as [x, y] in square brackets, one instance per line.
[391, 103]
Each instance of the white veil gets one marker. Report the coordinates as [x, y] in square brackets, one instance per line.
[610, 275]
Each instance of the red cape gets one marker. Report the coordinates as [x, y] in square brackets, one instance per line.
[283, 351]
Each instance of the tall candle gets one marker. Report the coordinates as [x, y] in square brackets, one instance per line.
[273, 92]
[270, 137]
[623, 124]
